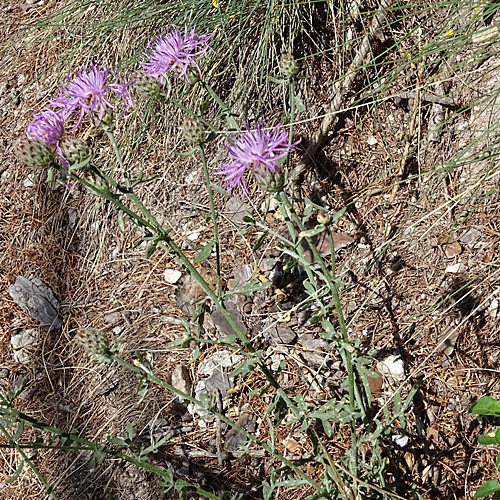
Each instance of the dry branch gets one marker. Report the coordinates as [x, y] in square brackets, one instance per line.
[340, 89]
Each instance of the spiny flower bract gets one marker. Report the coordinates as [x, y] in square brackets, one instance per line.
[257, 150]
[88, 92]
[47, 127]
[34, 153]
[174, 51]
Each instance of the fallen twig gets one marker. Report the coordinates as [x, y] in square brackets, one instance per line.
[340, 89]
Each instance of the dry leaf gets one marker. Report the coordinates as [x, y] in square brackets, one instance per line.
[452, 249]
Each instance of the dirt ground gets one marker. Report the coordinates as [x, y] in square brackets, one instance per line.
[419, 265]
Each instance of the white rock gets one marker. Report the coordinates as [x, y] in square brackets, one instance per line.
[493, 308]
[371, 141]
[455, 268]
[118, 329]
[392, 367]
[401, 441]
[25, 339]
[219, 360]
[193, 236]
[192, 176]
[23, 343]
[172, 276]
[28, 182]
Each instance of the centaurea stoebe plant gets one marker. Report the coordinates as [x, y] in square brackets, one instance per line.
[174, 51]
[89, 91]
[256, 150]
[47, 127]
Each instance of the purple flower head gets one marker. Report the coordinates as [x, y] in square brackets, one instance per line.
[88, 93]
[173, 51]
[47, 127]
[256, 150]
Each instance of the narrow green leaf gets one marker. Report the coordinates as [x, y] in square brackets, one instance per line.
[312, 232]
[276, 80]
[175, 343]
[121, 221]
[338, 215]
[150, 250]
[82, 164]
[299, 104]
[260, 241]
[205, 253]
[229, 339]
[218, 189]
[117, 440]
[17, 472]
[19, 432]
[130, 431]
[251, 288]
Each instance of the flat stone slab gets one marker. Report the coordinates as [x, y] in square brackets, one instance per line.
[38, 300]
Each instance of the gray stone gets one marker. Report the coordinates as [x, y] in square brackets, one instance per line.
[285, 335]
[235, 439]
[38, 300]
[223, 324]
[311, 342]
[235, 210]
[267, 265]
[219, 381]
[243, 274]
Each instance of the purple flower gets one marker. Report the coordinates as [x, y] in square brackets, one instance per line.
[47, 127]
[88, 93]
[256, 150]
[172, 50]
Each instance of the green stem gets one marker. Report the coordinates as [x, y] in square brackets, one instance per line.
[139, 369]
[168, 244]
[213, 215]
[283, 206]
[355, 398]
[292, 109]
[221, 103]
[84, 444]
[116, 150]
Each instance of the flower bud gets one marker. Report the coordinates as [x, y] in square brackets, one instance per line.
[288, 66]
[96, 343]
[106, 121]
[47, 127]
[34, 153]
[75, 150]
[323, 217]
[193, 75]
[193, 130]
[272, 182]
[147, 85]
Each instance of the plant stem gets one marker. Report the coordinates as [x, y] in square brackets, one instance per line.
[213, 215]
[139, 369]
[355, 399]
[222, 104]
